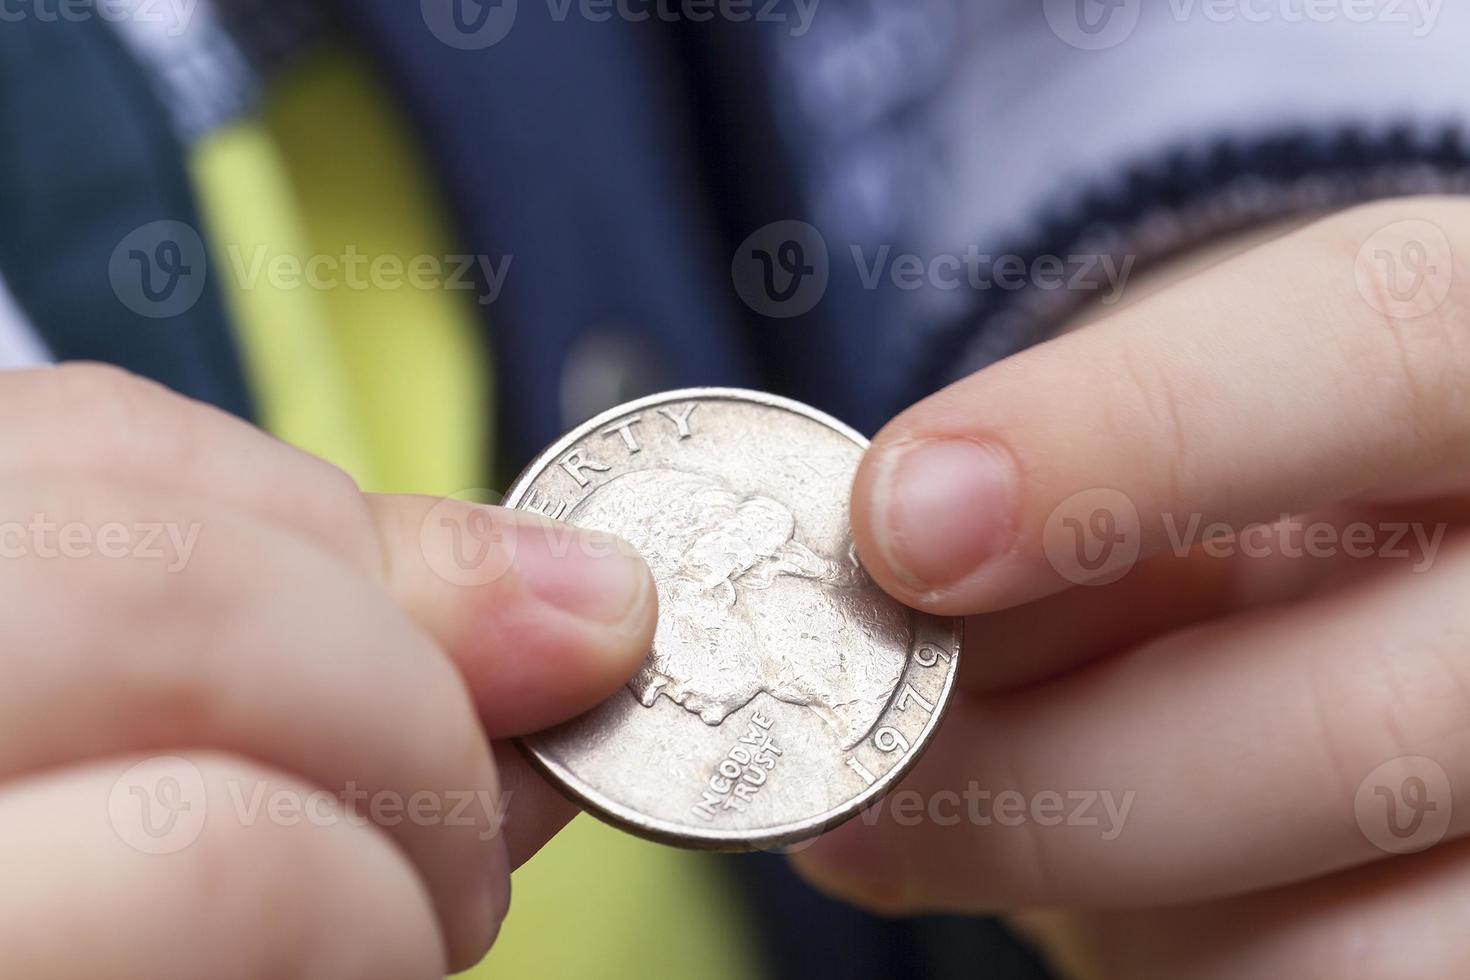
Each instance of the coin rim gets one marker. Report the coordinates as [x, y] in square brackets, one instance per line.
[654, 828]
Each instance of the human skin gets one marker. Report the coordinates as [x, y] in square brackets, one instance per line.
[309, 640]
[1243, 699]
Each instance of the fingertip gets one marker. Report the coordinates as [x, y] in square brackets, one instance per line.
[543, 620]
[535, 811]
[931, 513]
[592, 576]
[571, 627]
[482, 913]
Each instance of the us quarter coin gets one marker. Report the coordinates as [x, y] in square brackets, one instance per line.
[784, 691]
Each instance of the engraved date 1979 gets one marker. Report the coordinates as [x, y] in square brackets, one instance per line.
[742, 772]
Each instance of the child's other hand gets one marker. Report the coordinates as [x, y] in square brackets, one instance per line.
[1242, 734]
[329, 668]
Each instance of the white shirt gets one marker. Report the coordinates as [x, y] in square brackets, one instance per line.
[20, 347]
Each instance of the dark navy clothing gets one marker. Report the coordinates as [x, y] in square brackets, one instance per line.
[82, 170]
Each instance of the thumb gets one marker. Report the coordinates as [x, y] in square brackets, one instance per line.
[1295, 376]
[543, 619]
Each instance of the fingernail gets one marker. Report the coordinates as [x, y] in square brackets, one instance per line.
[593, 576]
[943, 509]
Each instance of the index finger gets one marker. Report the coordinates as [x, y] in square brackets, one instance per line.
[543, 621]
[1324, 365]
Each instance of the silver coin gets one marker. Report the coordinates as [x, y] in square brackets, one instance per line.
[785, 691]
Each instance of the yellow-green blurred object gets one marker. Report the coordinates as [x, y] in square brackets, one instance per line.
[353, 356]
[598, 903]
[362, 185]
[287, 346]
[393, 385]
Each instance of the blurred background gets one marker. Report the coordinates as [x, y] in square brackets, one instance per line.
[422, 238]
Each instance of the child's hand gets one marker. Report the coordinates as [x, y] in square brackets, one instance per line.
[175, 583]
[1243, 733]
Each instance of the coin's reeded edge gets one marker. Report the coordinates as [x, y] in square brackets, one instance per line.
[661, 831]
